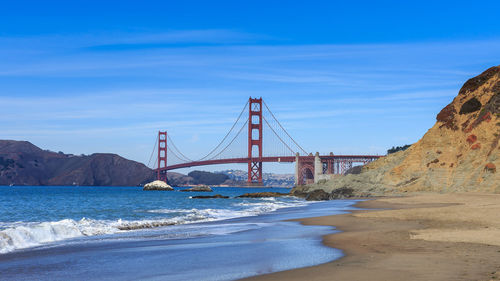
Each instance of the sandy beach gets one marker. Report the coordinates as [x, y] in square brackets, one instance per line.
[421, 237]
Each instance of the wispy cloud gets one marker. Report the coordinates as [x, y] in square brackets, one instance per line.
[72, 41]
[176, 38]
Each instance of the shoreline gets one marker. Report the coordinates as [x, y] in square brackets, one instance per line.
[452, 237]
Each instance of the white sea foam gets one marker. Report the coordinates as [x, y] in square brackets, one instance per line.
[34, 234]
[19, 235]
[168, 211]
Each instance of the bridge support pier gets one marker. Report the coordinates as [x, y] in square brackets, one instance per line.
[318, 167]
[297, 169]
[313, 169]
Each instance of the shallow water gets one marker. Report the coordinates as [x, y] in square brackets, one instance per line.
[75, 233]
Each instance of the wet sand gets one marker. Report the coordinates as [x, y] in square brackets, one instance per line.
[422, 237]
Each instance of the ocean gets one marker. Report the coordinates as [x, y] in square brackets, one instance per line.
[109, 233]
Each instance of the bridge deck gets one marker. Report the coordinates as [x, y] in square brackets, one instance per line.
[278, 159]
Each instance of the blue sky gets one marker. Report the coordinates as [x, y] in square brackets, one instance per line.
[358, 77]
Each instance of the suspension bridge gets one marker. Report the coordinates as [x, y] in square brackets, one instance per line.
[244, 143]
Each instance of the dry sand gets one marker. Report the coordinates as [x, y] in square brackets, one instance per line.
[422, 237]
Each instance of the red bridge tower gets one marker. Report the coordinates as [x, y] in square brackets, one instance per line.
[162, 156]
[255, 141]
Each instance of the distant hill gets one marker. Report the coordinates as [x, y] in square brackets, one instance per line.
[269, 179]
[201, 177]
[22, 163]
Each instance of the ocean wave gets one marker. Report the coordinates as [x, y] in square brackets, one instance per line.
[35, 234]
[20, 235]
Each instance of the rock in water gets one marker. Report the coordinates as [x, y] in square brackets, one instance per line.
[344, 192]
[210, 196]
[262, 195]
[317, 195]
[199, 188]
[157, 185]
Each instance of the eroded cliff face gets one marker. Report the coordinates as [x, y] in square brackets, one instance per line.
[459, 153]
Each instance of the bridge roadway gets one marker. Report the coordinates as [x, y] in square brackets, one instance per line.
[278, 159]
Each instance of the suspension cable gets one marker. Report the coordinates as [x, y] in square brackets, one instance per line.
[225, 137]
[300, 147]
[241, 129]
[291, 150]
[187, 159]
[153, 152]
[175, 154]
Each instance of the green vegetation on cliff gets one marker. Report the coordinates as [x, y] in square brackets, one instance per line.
[398, 148]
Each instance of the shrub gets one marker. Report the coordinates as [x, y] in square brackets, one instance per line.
[398, 148]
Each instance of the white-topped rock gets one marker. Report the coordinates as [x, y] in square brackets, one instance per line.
[157, 185]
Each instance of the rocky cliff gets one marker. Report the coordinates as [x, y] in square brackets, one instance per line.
[459, 153]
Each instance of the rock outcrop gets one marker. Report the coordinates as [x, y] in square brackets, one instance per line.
[317, 195]
[262, 195]
[198, 188]
[157, 185]
[459, 153]
[216, 196]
